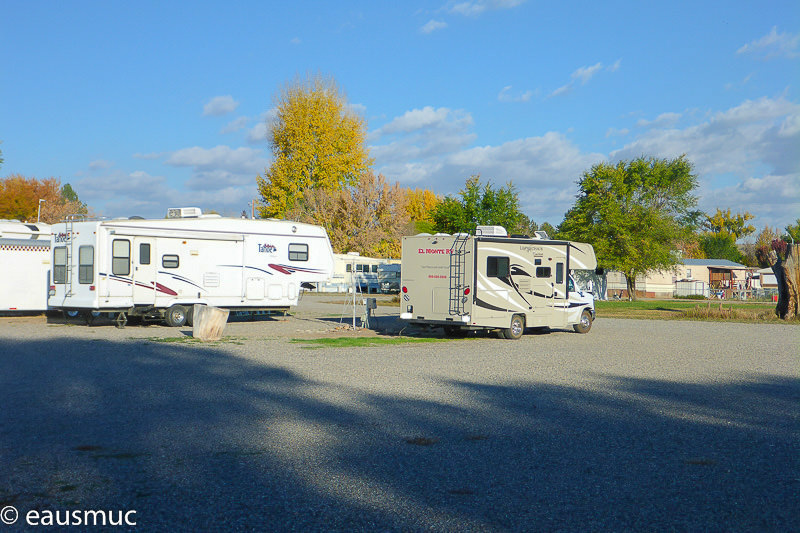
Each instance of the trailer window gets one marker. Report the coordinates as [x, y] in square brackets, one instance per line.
[497, 267]
[348, 268]
[170, 261]
[374, 268]
[85, 264]
[543, 272]
[144, 253]
[121, 257]
[559, 273]
[60, 264]
[298, 252]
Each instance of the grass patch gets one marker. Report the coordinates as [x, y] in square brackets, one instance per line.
[361, 342]
[688, 310]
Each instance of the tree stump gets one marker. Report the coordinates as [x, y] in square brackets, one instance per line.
[787, 274]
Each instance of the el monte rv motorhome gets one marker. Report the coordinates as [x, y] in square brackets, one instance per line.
[25, 265]
[161, 268]
[491, 281]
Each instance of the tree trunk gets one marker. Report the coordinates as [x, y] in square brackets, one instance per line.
[630, 279]
[787, 274]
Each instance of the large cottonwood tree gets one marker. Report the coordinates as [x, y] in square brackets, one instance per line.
[633, 213]
[317, 142]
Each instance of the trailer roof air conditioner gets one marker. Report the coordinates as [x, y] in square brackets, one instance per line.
[184, 212]
[494, 231]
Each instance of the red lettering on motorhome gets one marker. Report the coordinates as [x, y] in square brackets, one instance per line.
[442, 251]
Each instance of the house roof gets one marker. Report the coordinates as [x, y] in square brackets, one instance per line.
[715, 263]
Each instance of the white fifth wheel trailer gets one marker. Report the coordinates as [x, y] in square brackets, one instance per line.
[161, 268]
[491, 281]
[24, 265]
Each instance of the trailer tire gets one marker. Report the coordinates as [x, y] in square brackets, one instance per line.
[175, 316]
[516, 329]
[585, 324]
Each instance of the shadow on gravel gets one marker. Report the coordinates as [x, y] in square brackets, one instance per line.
[196, 439]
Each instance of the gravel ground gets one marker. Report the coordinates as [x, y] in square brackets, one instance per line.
[639, 425]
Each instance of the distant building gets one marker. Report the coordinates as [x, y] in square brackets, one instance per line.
[706, 277]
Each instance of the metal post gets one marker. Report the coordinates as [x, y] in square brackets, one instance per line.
[39, 212]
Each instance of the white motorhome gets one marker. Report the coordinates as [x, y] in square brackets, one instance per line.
[24, 265]
[491, 281]
[162, 267]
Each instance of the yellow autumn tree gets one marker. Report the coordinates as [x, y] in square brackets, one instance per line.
[19, 199]
[420, 205]
[317, 142]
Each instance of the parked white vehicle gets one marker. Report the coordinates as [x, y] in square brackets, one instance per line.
[490, 281]
[160, 268]
[24, 265]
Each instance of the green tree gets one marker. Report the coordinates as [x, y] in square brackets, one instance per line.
[478, 205]
[633, 213]
[721, 246]
[793, 232]
[317, 142]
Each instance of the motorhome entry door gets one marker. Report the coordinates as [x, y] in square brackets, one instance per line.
[144, 271]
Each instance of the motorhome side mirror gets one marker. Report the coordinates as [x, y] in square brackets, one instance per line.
[599, 271]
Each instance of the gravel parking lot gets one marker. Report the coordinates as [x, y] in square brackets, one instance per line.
[638, 425]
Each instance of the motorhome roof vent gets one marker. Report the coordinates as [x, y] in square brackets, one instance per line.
[494, 231]
[184, 212]
[541, 235]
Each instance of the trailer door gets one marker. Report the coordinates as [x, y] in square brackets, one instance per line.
[559, 301]
[144, 271]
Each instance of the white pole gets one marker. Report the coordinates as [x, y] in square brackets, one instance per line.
[39, 212]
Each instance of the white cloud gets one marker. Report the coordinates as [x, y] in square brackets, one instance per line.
[100, 164]
[584, 74]
[615, 67]
[433, 25]
[235, 125]
[662, 120]
[506, 95]
[772, 45]
[296, 41]
[216, 167]
[220, 105]
[477, 7]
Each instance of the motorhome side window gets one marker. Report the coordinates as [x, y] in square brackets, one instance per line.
[144, 253]
[559, 273]
[60, 264]
[121, 257]
[497, 267]
[543, 272]
[348, 268]
[85, 264]
[298, 252]
[170, 261]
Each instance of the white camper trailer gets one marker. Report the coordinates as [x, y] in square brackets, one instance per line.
[24, 265]
[491, 281]
[161, 268]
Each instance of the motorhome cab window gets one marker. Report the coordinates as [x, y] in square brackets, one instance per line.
[298, 252]
[121, 257]
[497, 267]
[60, 264]
[85, 264]
[144, 253]
[543, 272]
[170, 261]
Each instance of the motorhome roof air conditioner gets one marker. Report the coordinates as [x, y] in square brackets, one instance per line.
[184, 212]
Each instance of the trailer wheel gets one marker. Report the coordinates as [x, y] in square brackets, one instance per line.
[190, 315]
[585, 324]
[517, 328]
[175, 316]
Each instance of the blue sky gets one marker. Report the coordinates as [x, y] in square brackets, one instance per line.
[142, 106]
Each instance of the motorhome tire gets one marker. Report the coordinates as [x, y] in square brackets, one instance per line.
[585, 324]
[175, 316]
[516, 329]
[190, 315]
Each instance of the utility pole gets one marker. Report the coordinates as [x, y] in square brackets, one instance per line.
[39, 212]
